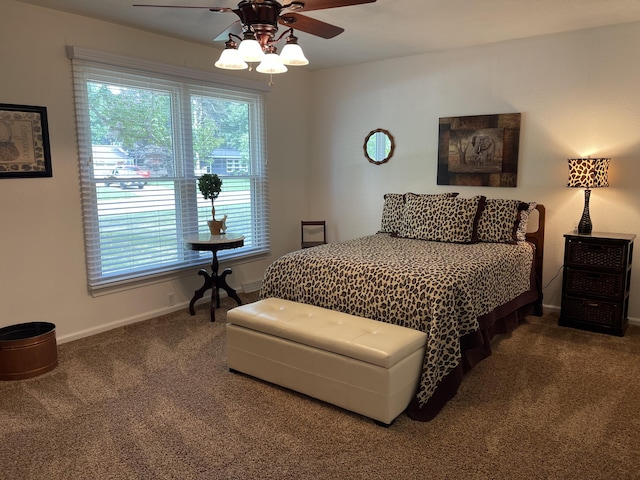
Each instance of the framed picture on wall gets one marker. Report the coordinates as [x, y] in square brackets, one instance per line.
[24, 142]
[479, 150]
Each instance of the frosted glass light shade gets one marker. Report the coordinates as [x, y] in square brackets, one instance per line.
[230, 60]
[250, 50]
[293, 55]
[271, 64]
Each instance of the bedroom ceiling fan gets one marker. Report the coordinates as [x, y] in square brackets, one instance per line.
[259, 20]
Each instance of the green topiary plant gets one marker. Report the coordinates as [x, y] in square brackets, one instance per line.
[210, 185]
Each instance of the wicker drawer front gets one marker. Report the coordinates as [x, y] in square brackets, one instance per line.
[595, 255]
[591, 311]
[606, 284]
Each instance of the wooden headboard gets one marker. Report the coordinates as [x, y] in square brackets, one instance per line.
[535, 235]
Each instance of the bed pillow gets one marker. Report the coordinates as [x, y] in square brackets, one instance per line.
[500, 220]
[443, 219]
[393, 211]
[521, 231]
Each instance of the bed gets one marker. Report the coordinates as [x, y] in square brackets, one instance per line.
[459, 269]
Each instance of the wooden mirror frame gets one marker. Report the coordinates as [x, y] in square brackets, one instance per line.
[369, 137]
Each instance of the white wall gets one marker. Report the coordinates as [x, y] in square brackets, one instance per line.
[577, 92]
[42, 264]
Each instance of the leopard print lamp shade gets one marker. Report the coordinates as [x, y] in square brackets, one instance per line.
[588, 173]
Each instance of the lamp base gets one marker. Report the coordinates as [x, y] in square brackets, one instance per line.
[585, 227]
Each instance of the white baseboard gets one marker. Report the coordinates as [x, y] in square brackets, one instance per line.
[246, 288]
[121, 323]
[252, 286]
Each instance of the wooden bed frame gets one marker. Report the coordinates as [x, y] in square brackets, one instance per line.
[536, 237]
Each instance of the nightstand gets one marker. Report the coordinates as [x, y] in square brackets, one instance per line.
[595, 283]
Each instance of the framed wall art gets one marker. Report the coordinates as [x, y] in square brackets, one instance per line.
[480, 150]
[24, 142]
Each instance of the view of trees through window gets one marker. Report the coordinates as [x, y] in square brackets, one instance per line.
[139, 121]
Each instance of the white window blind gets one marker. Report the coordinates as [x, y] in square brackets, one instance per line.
[146, 131]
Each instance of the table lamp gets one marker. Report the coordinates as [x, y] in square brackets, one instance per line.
[588, 173]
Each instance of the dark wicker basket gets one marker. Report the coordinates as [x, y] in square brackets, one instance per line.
[606, 284]
[604, 313]
[609, 256]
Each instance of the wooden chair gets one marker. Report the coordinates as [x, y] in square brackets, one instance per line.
[313, 233]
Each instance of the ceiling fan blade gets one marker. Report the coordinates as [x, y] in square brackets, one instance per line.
[310, 25]
[235, 28]
[310, 5]
[213, 9]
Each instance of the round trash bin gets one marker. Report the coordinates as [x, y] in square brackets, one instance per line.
[27, 350]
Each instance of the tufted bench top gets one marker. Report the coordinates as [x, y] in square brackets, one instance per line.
[370, 341]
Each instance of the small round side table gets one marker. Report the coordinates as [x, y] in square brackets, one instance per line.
[214, 281]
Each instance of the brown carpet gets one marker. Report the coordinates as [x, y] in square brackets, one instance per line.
[155, 400]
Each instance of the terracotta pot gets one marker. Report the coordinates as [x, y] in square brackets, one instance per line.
[215, 226]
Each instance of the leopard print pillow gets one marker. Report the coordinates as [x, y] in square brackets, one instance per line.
[521, 231]
[500, 220]
[443, 219]
[392, 213]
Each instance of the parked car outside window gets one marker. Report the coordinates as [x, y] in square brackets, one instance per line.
[126, 177]
[141, 171]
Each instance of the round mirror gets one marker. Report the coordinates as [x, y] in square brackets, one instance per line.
[379, 146]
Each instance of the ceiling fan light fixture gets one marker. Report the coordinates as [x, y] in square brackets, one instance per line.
[230, 58]
[250, 49]
[271, 62]
[259, 20]
[292, 53]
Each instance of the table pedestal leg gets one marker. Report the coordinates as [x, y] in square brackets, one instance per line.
[214, 282]
[222, 283]
[208, 283]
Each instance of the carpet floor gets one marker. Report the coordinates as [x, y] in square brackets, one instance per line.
[155, 400]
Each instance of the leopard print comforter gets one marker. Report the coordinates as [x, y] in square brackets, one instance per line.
[438, 288]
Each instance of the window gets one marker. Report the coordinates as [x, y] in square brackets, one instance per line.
[145, 133]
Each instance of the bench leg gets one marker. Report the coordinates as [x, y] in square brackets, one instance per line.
[382, 424]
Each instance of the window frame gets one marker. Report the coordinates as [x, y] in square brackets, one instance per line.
[193, 82]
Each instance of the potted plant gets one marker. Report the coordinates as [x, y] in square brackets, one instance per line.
[210, 185]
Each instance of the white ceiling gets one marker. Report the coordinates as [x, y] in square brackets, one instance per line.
[375, 31]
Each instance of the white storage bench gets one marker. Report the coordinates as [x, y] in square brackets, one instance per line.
[369, 367]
